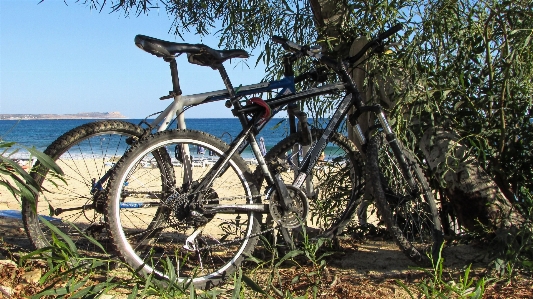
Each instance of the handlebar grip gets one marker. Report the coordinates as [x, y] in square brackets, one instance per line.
[390, 31]
[279, 39]
[286, 44]
[329, 61]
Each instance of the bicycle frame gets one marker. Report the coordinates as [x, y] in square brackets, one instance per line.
[176, 108]
[251, 127]
[180, 102]
[249, 132]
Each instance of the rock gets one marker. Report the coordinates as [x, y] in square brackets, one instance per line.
[8, 262]
[32, 276]
[6, 291]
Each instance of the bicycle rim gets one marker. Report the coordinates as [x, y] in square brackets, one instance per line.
[153, 239]
[411, 217]
[84, 154]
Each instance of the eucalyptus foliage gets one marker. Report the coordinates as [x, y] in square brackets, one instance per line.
[463, 64]
[469, 66]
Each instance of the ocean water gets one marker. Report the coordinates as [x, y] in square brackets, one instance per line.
[41, 133]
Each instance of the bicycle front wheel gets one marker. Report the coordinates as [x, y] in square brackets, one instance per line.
[150, 211]
[410, 214]
[85, 154]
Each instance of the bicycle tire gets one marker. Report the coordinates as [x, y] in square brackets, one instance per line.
[83, 153]
[337, 191]
[412, 219]
[145, 239]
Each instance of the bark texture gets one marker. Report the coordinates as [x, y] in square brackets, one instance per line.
[473, 194]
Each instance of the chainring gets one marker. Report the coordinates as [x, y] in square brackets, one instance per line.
[296, 215]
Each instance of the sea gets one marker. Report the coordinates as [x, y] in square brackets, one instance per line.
[41, 133]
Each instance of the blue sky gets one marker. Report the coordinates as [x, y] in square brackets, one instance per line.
[63, 59]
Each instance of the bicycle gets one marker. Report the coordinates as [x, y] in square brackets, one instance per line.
[200, 231]
[89, 152]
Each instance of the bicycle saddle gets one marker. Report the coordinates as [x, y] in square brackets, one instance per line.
[197, 53]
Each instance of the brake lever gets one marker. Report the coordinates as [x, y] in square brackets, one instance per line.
[378, 49]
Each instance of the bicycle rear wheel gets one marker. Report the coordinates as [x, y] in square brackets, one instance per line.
[411, 216]
[336, 184]
[85, 153]
[155, 229]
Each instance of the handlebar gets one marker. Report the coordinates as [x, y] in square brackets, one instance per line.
[375, 43]
[294, 47]
[287, 44]
[394, 29]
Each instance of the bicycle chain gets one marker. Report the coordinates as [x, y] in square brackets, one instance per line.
[181, 199]
[241, 239]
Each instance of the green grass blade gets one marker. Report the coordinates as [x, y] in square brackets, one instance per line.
[66, 238]
[45, 160]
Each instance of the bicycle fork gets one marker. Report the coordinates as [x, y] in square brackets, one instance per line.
[391, 139]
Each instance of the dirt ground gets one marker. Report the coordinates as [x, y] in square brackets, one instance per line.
[358, 269]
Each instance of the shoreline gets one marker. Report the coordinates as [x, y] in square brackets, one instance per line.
[73, 118]
[51, 116]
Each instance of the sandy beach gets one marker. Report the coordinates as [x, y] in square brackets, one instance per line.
[75, 192]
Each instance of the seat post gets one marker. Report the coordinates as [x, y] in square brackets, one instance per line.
[176, 89]
[227, 82]
[234, 99]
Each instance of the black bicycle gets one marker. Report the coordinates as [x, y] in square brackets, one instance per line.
[199, 230]
[88, 153]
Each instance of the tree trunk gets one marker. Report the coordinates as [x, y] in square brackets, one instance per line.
[475, 197]
[473, 194]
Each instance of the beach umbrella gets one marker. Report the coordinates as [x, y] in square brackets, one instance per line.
[200, 150]
[262, 146]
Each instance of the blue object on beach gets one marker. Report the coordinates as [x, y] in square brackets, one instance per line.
[15, 214]
[131, 205]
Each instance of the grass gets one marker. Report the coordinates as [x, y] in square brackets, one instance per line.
[302, 272]
[436, 286]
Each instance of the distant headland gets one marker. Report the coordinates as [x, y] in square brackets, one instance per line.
[83, 115]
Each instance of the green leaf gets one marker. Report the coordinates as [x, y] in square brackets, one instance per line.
[68, 289]
[254, 259]
[50, 272]
[237, 285]
[45, 160]
[254, 286]
[289, 255]
[406, 289]
[14, 192]
[93, 290]
[67, 239]
[295, 279]
[134, 292]
[192, 292]
[18, 170]
[526, 42]
[5, 144]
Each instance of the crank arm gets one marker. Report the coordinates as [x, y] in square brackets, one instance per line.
[281, 188]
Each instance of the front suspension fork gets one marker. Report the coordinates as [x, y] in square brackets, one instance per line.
[391, 139]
